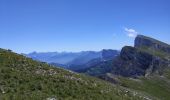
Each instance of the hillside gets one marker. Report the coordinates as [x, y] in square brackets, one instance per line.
[23, 78]
[144, 68]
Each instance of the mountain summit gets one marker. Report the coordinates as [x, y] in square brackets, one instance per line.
[148, 56]
[142, 41]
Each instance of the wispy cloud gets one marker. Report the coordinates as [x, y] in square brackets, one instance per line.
[131, 32]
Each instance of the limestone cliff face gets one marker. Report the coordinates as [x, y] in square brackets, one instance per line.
[143, 41]
[134, 61]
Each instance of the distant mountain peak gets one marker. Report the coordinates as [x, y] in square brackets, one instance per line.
[34, 52]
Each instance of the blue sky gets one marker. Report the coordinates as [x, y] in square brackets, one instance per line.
[76, 25]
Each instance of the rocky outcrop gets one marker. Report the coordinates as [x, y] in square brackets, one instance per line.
[134, 61]
[143, 41]
[147, 57]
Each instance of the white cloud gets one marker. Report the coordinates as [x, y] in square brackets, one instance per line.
[131, 32]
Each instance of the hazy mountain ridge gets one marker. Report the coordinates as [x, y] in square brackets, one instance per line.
[54, 57]
[63, 57]
[74, 61]
[106, 55]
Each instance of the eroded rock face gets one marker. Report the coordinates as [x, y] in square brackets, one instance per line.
[134, 62]
[139, 58]
[143, 41]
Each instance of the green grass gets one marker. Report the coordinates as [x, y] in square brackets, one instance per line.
[167, 73]
[154, 86]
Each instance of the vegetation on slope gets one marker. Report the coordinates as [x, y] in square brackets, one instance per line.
[22, 78]
[156, 86]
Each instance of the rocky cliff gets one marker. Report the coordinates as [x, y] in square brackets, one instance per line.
[143, 41]
[149, 56]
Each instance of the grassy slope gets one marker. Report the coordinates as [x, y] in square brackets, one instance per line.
[22, 78]
[155, 86]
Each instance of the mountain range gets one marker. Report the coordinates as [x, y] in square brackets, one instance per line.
[139, 72]
[73, 60]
